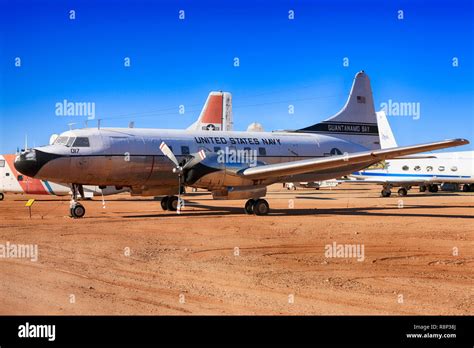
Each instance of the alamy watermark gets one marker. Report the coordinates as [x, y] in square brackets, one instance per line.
[394, 108]
[68, 108]
[345, 251]
[232, 155]
[19, 251]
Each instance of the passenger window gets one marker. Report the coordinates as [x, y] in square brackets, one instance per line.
[20, 177]
[81, 142]
[441, 169]
[429, 169]
[7, 174]
[417, 168]
[185, 150]
[262, 151]
[2, 163]
[405, 168]
[453, 169]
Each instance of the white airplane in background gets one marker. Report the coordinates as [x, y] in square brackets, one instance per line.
[426, 170]
[216, 114]
[232, 165]
[313, 184]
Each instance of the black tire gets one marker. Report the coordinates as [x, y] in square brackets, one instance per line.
[172, 203]
[78, 211]
[164, 203]
[422, 188]
[261, 207]
[402, 192]
[465, 188]
[433, 188]
[249, 206]
[386, 193]
[2, 196]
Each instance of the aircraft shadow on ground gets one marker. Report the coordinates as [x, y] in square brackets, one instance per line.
[408, 211]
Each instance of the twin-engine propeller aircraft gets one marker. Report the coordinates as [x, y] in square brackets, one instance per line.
[232, 165]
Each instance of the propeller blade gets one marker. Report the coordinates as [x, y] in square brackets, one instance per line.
[168, 153]
[198, 157]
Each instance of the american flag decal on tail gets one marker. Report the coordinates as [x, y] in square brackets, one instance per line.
[202, 154]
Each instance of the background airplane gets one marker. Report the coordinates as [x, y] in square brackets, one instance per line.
[232, 165]
[426, 171]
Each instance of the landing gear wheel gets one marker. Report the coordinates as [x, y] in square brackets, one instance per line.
[465, 188]
[402, 192]
[77, 211]
[433, 188]
[2, 196]
[172, 203]
[249, 206]
[386, 193]
[261, 207]
[422, 188]
[164, 202]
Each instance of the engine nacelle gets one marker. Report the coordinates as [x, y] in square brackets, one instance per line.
[153, 190]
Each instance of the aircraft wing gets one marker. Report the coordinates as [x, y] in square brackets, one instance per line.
[334, 162]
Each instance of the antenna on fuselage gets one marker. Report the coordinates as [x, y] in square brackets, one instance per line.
[131, 124]
[98, 123]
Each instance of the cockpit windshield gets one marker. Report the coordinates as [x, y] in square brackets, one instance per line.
[61, 141]
[72, 141]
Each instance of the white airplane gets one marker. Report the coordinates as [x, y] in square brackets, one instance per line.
[426, 171]
[232, 165]
[215, 115]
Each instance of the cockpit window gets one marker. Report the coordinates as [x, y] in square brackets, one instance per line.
[70, 141]
[81, 142]
[61, 141]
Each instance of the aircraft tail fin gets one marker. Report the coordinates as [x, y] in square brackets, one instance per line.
[387, 139]
[356, 121]
[216, 113]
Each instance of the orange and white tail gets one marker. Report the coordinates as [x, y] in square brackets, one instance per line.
[216, 114]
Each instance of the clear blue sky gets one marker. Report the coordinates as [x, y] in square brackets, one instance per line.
[282, 62]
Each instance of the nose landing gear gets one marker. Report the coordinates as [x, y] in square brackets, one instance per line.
[76, 209]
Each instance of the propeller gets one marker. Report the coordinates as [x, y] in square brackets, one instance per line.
[179, 168]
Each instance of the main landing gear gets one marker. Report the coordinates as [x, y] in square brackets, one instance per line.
[76, 209]
[402, 192]
[170, 203]
[257, 207]
[1, 196]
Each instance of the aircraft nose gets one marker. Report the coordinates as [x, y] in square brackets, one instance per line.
[26, 163]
